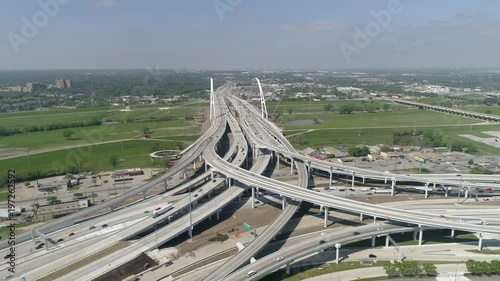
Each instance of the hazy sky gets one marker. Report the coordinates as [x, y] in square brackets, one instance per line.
[242, 34]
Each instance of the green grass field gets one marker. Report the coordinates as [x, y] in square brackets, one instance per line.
[95, 158]
[333, 129]
[495, 110]
[55, 116]
[372, 136]
[319, 106]
[110, 132]
[405, 119]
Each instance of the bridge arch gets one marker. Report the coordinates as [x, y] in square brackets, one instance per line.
[263, 106]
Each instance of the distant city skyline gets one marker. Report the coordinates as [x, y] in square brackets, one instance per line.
[254, 35]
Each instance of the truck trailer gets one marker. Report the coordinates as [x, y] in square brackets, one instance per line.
[161, 211]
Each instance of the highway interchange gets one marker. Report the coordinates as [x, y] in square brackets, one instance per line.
[252, 139]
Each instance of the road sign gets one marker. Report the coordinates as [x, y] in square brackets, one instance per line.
[247, 227]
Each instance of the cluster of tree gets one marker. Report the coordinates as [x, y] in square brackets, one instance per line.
[358, 151]
[483, 267]
[463, 146]
[410, 269]
[409, 137]
[49, 127]
[481, 170]
[350, 108]
[329, 107]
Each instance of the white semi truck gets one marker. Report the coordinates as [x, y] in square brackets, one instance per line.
[162, 210]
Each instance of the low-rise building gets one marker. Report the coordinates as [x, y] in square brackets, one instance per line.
[337, 152]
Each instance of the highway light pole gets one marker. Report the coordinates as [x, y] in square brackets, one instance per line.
[190, 216]
[156, 237]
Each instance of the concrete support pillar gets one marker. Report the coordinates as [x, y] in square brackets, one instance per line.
[218, 213]
[309, 169]
[373, 240]
[212, 174]
[414, 235]
[466, 193]
[190, 232]
[426, 190]
[112, 208]
[239, 198]
[165, 184]
[200, 158]
[283, 202]
[257, 192]
[291, 167]
[361, 217]
[421, 235]
[352, 181]
[434, 186]
[452, 234]
[331, 176]
[374, 220]
[480, 244]
[337, 252]
[385, 182]
[387, 241]
[446, 191]
[287, 268]
[206, 167]
[185, 173]
[363, 180]
[325, 223]
[253, 197]
[194, 165]
[144, 195]
[393, 185]
[278, 161]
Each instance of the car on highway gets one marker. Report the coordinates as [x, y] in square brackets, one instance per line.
[39, 246]
[214, 180]
[251, 272]
[168, 263]
[380, 228]
[200, 190]
[60, 240]
[341, 189]
[372, 256]
[442, 216]
[105, 225]
[322, 241]
[157, 208]
[356, 233]
[351, 189]
[196, 195]
[6, 256]
[91, 227]
[279, 259]
[72, 234]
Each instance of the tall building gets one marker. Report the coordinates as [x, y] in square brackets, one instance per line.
[34, 86]
[63, 83]
[59, 83]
